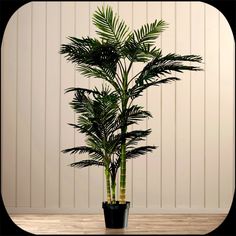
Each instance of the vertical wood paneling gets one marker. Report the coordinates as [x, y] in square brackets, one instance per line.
[183, 130]
[67, 114]
[226, 96]
[8, 112]
[139, 165]
[81, 175]
[52, 111]
[125, 13]
[192, 122]
[95, 173]
[38, 105]
[212, 106]
[154, 94]
[168, 113]
[24, 107]
[197, 108]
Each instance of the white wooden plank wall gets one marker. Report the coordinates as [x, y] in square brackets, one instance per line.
[197, 97]
[168, 115]
[139, 165]
[82, 193]
[154, 158]
[193, 119]
[38, 101]
[52, 112]
[23, 129]
[182, 101]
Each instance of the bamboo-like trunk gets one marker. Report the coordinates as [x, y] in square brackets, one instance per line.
[113, 189]
[122, 199]
[107, 174]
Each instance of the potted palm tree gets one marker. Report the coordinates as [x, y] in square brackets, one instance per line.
[110, 58]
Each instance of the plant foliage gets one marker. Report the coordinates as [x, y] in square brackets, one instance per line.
[105, 115]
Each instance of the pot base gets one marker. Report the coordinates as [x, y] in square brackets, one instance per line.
[116, 215]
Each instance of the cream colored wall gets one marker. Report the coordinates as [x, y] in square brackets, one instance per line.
[193, 124]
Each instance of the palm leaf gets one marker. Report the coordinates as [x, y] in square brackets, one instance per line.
[82, 90]
[110, 28]
[139, 151]
[137, 89]
[148, 33]
[99, 72]
[166, 64]
[138, 46]
[83, 149]
[86, 163]
[135, 113]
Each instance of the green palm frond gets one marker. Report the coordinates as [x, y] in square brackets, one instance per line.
[81, 103]
[177, 57]
[134, 153]
[139, 151]
[148, 33]
[82, 90]
[137, 89]
[110, 28]
[162, 65]
[137, 134]
[106, 74]
[147, 52]
[83, 149]
[138, 47]
[97, 119]
[90, 51]
[132, 138]
[136, 113]
[86, 163]
[79, 50]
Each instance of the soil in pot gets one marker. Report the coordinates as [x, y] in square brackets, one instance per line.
[116, 215]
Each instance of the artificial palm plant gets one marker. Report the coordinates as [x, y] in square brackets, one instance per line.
[100, 121]
[110, 57]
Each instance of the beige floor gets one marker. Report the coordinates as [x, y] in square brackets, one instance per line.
[138, 224]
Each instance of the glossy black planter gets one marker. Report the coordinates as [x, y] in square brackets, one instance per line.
[116, 215]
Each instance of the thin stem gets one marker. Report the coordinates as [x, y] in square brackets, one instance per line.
[130, 103]
[130, 65]
[134, 77]
[107, 174]
[121, 67]
[113, 189]
[125, 64]
[118, 78]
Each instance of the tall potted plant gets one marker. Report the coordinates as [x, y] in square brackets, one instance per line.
[110, 58]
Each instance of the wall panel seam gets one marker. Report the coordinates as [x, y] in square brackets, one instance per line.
[132, 164]
[59, 153]
[219, 120]
[146, 124]
[45, 107]
[74, 86]
[89, 5]
[161, 129]
[205, 66]
[190, 107]
[175, 111]
[16, 119]
[31, 98]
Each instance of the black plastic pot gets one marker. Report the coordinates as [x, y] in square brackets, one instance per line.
[116, 215]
